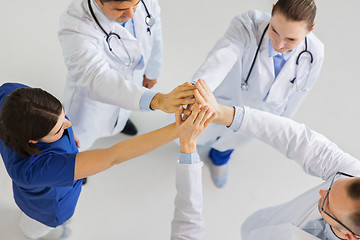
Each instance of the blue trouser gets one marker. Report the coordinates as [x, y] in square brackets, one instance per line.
[220, 158]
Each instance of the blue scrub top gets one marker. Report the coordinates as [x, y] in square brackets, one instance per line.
[43, 184]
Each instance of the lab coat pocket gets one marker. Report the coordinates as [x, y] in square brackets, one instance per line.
[280, 91]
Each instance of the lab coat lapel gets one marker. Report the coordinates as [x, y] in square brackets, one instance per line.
[139, 22]
[282, 86]
[265, 69]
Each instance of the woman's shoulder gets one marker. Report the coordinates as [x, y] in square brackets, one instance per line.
[253, 18]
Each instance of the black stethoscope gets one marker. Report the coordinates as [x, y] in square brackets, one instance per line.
[244, 85]
[149, 20]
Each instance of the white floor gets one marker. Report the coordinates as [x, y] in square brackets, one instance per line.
[135, 200]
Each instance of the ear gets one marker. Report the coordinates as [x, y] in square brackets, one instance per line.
[33, 141]
[312, 28]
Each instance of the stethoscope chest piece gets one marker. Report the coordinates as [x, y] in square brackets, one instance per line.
[244, 86]
[150, 20]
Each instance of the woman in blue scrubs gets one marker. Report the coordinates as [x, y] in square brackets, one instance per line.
[40, 153]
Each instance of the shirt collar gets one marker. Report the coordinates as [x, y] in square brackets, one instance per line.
[273, 53]
[329, 233]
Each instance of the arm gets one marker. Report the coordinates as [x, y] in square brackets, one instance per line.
[87, 63]
[188, 222]
[94, 75]
[224, 54]
[316, 154]
[94, 161]
[312, 151]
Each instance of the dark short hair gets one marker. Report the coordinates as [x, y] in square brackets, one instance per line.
[28, 114]
[297, 10]
[353, 192]
[104, 1]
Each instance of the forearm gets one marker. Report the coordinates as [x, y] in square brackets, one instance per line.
[143, 144]
[188, 222]
[94, 161]
[312, 151]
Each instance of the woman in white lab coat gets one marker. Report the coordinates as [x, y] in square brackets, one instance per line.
[113, 50]
[255, 64]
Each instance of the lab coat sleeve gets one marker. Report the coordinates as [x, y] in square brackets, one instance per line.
[226, 52]
[296, 98]
[86, 63]
[317, 155]
[154, 65]
[285, 231]
[188, 222]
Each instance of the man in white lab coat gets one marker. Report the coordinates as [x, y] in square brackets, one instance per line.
[328, 211]
[113, 53]
[267, 62]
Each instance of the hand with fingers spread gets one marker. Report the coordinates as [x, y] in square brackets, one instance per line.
[193, 126]
[181, 95]
[204, 96]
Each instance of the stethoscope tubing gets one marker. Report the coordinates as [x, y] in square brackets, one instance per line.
[149, 20]
[244, 85]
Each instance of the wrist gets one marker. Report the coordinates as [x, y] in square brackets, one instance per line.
[224, 115]
[156, 101]
[187, 146]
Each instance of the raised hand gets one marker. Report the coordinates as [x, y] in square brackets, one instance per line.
[169, 103]
[204, 96]
[193, 126]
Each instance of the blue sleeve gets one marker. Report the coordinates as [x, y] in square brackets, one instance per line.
[8, 88]
[189, 158]
[146, 99]
[49, 169]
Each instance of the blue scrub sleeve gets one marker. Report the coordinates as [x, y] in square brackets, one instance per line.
[49, 170]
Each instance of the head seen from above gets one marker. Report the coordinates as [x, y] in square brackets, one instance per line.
[340, 207]
[118, 10]
[291, 21]
[30, 115]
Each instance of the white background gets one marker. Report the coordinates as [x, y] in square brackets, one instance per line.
[135, 200]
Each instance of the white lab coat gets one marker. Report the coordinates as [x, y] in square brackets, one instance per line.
[188, 222]
[101, 89]
[227, 66]
[313, 152]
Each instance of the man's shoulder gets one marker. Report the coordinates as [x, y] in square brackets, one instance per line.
[76, 16]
